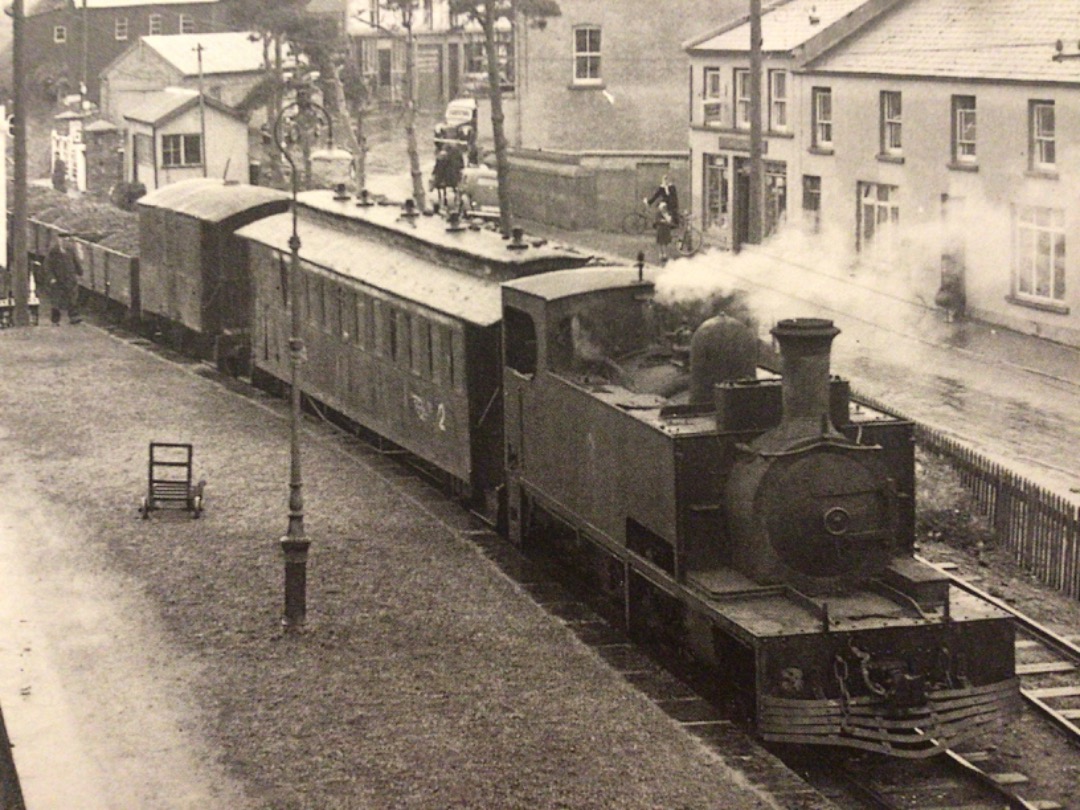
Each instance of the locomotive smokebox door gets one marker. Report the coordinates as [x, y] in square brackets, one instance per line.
[808, 507]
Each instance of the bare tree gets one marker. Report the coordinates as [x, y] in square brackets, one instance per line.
[405, 10]
[487, 14]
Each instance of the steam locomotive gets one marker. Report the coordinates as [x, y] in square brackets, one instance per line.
[761, 522]
[764, 522]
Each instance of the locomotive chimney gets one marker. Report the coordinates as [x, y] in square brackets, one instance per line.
[805, 345]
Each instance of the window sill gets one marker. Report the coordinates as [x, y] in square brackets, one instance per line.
[586, 86]
[826, 151]
[1042, 306]
[884, 157]
[957, 166]
[780, 133]
[1042, 174]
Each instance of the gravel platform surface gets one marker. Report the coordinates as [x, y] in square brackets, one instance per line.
[426, 678]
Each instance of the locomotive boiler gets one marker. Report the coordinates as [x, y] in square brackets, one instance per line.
[764, 524]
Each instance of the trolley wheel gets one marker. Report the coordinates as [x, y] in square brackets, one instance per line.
[689, 241]
[635, 223]
[144, 508]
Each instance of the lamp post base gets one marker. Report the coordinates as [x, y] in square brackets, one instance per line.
[295, 553]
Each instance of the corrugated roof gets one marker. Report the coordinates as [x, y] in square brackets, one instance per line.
[972, 39]
[159, 106]
[784, 26]
[210, 199]
[231, 52]
[384, 267]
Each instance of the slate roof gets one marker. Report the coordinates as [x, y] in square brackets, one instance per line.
[969, 39]
[785, 26]
[159, 106]
[231, 52]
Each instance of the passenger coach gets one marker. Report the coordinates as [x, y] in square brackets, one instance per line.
[401, 324]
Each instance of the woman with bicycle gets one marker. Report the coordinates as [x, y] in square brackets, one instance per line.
[668, 194]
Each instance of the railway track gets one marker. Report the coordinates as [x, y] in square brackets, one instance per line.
[1048, 665]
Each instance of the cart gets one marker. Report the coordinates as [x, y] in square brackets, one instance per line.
[169, 480]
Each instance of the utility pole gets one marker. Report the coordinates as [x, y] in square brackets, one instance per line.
[20, 278]
[756, 203]
[83, 86]
[202, 111]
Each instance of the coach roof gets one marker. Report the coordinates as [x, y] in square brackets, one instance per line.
[210, 199]
[384, 267]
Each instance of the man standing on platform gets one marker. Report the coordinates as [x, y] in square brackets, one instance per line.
[59, 283]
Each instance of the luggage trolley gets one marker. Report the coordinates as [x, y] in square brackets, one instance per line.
[169, 483]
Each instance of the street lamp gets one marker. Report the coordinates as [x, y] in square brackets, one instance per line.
[294, 544]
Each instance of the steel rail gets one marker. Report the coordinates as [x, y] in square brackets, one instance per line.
[1056, 643]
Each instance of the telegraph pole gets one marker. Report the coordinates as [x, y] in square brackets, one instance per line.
[202, 112]
[20, 279]
[756, 207]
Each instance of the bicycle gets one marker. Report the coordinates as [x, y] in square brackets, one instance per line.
[685, 237]
[638, 221]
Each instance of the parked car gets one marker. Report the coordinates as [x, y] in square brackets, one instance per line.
[458, 128]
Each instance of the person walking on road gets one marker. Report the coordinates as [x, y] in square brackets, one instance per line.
[666, 193]
[59, 280]
[455, 172]
[440, 174]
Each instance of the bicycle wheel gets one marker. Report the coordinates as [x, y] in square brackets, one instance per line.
[689, 241]
[635, 223]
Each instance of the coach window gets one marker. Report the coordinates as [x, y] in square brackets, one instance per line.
[336, 325]
[305, 294]
[520, 341]
[365, 322]
[446, 356]
[348, 317]
[406, 324]
[429, 349]
[390, 332]
[318, 310]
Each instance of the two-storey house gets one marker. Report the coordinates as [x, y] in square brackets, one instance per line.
[73, 40]
[720, 108]
[954, 138]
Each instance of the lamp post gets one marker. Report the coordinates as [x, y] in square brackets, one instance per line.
[294, 544]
